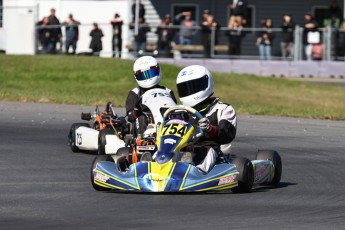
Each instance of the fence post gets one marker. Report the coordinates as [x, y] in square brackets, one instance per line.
[297, 43]
[213, 36]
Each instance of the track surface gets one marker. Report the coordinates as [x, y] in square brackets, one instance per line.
[44, 185]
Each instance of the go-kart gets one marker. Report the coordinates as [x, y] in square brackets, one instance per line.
[156, 102]
[170, 171]
[82, 136]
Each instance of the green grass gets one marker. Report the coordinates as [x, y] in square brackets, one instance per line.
[93, 80]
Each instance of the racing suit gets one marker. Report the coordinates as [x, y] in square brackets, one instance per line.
[223, 123]
[135, 108]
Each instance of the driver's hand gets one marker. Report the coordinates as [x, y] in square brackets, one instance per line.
[205, 124]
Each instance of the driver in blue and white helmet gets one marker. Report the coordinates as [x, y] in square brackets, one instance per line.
[147, 73]
[195, 88]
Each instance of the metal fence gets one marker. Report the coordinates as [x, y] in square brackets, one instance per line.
[215, 43]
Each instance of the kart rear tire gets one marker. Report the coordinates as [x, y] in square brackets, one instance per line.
[276, 160]
[94, 163]
[72, 138]
[102, 141]
[246, 175]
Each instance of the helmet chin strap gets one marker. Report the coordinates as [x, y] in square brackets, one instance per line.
[206, 104]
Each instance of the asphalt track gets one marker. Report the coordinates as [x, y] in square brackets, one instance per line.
[43, 185]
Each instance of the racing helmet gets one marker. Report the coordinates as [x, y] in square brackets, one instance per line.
[194, 84]
[147, 72]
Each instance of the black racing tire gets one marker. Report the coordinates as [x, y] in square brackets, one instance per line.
[72, 138]
[102, 141]
[94, 163]
[246, 175]
[273, 156]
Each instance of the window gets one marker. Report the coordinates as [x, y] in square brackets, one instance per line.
[178, 8]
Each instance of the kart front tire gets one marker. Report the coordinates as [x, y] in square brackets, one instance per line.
[94, 164]
[102, 141]
[246, 175]
[277, 163]
[72, 138]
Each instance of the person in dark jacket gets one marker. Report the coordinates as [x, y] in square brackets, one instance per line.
[235, 35]
[45, 35]
[117, 35]
[310, 28]
[56, 34]
[195, 88]
[165, 34]
[147, 73]
[140, 38]
[287, 42]
[208, 24]
[340, 41]
[72, 34]
[141, 10]
[96, 39]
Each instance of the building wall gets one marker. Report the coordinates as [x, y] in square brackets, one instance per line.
[263, 9]
[85, 11]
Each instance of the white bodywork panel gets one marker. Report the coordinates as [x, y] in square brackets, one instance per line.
[113, 143]
[86, 138]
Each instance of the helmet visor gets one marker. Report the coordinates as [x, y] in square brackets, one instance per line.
[193, 86]
[147, 74]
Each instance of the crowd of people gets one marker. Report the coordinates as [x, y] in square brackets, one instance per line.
[185, 26]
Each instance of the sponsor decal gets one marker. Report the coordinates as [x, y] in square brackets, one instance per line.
[227, 180]
[79, 139]
[101, 177]
[183, 73]
[169, 141]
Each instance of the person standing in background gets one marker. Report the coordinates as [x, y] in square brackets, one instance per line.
[56, 34]
[208, 24]
[287, 43]
[186, 31]
[117, 35]
[96, 39]
[165, 34]
[72, 34]
[265, 40]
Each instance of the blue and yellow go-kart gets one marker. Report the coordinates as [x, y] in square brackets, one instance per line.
[167, 173]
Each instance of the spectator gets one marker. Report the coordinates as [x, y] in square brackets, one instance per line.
[208, 24]
[238, 12]
[235, 34]
[141, 10]
[56, 34]
[72, 33]
[287, 43]
[44, 36]
[186, 31]
[334, 15]
[165, 34]
[96, 39]
[340, 41]
[310, 35]
[140, 38]
[265, 40]
[117, 35]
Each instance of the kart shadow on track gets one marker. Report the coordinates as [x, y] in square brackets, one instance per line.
[267, 188]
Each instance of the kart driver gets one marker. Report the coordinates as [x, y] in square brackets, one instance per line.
[147, 73]
[195, 88]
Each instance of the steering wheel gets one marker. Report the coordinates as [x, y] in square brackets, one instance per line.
[192, 111]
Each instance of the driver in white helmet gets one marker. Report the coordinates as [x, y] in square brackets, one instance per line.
[195, 88]
[147, 73]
